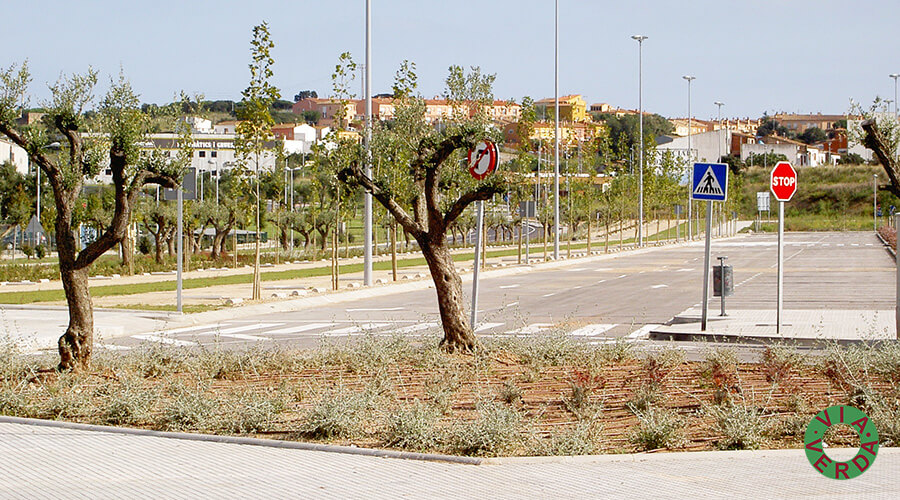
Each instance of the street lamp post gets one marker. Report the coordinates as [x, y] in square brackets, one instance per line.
[689, 79]
[640, 40]
[719, 104]
[556, 137]
[367, 218]
[895, 76]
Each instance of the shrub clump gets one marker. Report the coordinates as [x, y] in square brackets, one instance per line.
[742, 426]
[496, 430]
[413, 427]
[657, 428]
[337, 414]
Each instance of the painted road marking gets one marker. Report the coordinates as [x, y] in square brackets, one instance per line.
[375, 309]
[659, 286]
[487, 326]
[510, 286]
[601, 281]
[529, 329]
[229, 331]
[642, 332]
[242, 336]
[591, 330]
[350, 330]
[576, 270]
[152, 337]
[622, 276]
[511, 304]
[299, 329]
[415, 328]
[685, 270]
[549, 294]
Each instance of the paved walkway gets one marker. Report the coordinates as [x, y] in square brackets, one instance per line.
[55, 462]
[801, 326]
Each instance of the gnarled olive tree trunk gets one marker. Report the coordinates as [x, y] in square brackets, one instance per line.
[448, 284]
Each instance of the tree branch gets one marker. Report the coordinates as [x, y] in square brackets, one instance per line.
[410, 225]
[876, 141]
[482, 192]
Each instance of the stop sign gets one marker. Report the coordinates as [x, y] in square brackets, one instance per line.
[784, 181]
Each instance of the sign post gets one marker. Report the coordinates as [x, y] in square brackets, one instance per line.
[710, 183]
[783, 185]
[482, 162]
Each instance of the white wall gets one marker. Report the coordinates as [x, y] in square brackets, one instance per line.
[10, 152]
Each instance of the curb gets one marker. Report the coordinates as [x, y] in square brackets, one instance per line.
[886, 246]
[211, 438]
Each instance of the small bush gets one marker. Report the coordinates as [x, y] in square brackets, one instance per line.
[40, 251]
[582, 386]
[249, 412]
[145, 246]
[188, 409]
[13, 402]
[742, 426]
[510, 393]
[581, 439]
[413, 427]
[778, 361]
[657, 428]
[497, 430]
[28, 250]
[645, 396]
[129, 403]
[336, 414]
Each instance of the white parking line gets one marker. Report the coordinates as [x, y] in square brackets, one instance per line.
[659, 286]
[510, 286]
[549, 294]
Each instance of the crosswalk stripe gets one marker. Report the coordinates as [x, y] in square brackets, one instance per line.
[242, 336]
[236, 329]
[152, 337]
[592, 330]
[529, 329]
[415, 328]
[300, 328]
[355, 329]
[487, 326]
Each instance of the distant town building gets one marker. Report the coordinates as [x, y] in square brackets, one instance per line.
[572, 108]
[12, 153]
[799, 123]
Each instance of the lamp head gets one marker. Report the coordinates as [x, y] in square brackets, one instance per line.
[639, 38]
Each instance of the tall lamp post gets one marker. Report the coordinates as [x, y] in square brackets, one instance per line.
[640, 40]
[719, 104]
[895, 76]
[367, 218]
[689, 79]
[556, 135]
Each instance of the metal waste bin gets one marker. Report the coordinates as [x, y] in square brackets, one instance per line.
[718, 272]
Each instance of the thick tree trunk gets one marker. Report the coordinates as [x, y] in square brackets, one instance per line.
[76, 345]
[458, 334]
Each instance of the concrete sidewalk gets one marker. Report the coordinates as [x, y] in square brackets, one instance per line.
[40, 461]
[802, 327]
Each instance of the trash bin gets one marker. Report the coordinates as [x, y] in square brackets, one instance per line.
[717, 281]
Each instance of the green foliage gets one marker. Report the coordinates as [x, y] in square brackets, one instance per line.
[657, 428]
[624, 131]
[413, 427]
[496, 430]
[812, 135]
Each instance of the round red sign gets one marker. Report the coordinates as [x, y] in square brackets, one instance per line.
[784, 181]
[483, 159]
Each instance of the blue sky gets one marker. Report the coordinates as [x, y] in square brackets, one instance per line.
[764, 55]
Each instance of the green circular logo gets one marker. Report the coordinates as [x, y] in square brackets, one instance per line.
[859, 422]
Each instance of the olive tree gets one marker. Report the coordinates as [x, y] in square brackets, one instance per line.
[122, 125]
[425, 185]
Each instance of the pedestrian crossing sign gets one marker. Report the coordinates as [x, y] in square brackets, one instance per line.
[710, 182]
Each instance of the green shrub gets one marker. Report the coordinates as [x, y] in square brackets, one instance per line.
[40, 251]
[337, 414]
[742, 426]
[187, 409]
[581, 439]
[145, 246]
[249, 412]
[657, 428]
[128, 403]
[496, 430]
[413, 427]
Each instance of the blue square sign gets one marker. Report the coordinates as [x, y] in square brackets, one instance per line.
[709, 182]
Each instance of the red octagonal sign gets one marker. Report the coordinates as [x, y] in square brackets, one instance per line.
[784, 181]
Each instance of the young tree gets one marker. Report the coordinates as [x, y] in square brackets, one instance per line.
[255, 128]
[880, 132]
[436, 188]
[120, 119]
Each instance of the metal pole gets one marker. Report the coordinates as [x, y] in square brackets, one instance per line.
[719, 119]
[478, 243]
[556, 139]
[38, 168]
[179, 246]
[895, 76]
[292, 211]
[780, 293]
[897, 293]
[640, 39]
[689, 79]
[875, 202]
[704, 305]
[722, 283]
[367, 223]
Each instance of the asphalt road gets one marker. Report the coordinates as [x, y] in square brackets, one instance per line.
[624, 295]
